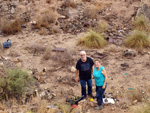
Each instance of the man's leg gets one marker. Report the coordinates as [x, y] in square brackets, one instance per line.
[83, 87]
[89, 82]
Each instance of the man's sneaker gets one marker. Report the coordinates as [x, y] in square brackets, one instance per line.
[98, 107]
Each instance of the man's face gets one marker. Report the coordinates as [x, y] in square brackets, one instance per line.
[83, 56]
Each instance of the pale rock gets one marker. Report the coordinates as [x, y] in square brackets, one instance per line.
[112, 109]
[12, 10]
[29, 72]
[33, 22]
[19, 64]
[73, 69]
[1, 64]
[134, 102]
[53, 94]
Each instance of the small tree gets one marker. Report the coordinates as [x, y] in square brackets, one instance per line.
[15, 84]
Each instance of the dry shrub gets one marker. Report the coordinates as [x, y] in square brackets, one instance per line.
[65, 108]
[136, 95]
[91, 12]
[1, 49]
[92, 40]
[36, 48]
[42, 108]
[63, 57]
[10, 27]
[86, 0]
[48, 1]
[141, 23]
[13, 53]
[42, 31]
[47, 54]
[46, 18]
[144, 108]
[138, 40]
[69, 3]
[99, 4]
[101, 27]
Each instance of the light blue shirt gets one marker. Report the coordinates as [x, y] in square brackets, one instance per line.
[98, 76]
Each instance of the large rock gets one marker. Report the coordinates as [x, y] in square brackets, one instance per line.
[145, 10]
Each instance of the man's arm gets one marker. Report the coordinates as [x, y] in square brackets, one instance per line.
[76, 76]
[92, 71]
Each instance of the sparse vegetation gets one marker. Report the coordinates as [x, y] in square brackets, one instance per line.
[141, 24]
[36, 48]
[86, 0]
[65, 108]
[144, 108]
[47, 54]
[48, 1]
[42, 31]
[42, 108]
[63, 57]
[92, 40]
[47, 17]
[68, 3]
[137, 95]
[15, 84]
[91, 12]
[10, 27]
[138, 40]
[101, 27]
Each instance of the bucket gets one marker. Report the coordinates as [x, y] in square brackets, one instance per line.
[7, 44]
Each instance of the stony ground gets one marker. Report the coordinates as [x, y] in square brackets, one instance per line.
[124, 71]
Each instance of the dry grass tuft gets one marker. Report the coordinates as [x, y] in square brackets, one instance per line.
[91, 12]
[10, 27]
[141, 24]
[137, 95]
[47, 54]
[144, 108]
[101, 27]
[48, 1]
[86, 0]
[46, 18]
[92, 40]
[65, 108]
[64, 58]
[138, 40]
[42, 108]
[36, 48]
[43, 31]
[69, 3]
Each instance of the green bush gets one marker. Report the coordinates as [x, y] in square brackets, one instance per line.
[138, 40]
[93, 40]
[15, 84]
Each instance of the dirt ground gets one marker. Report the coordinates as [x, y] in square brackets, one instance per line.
[136, 75]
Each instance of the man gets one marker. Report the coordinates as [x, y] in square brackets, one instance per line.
[85, 68]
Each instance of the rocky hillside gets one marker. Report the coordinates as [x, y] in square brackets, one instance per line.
[44, 36]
